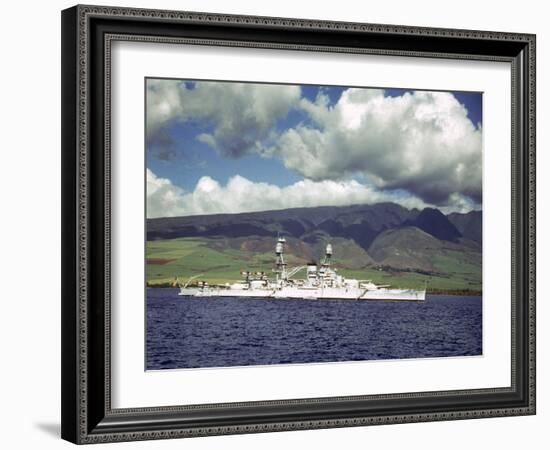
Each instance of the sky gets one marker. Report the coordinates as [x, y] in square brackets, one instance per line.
[229, 147]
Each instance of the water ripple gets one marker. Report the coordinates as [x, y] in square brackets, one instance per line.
[223, 332]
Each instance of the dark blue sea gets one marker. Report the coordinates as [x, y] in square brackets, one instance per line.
[222, 332]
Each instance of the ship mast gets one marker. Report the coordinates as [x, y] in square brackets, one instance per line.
[280, 263]
[324, 273]
[328, 255]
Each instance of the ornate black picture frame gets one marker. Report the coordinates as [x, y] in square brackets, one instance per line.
[87, 35]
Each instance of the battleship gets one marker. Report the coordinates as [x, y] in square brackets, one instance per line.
[321, 282]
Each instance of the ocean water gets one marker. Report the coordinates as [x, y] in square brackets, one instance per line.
[223, 332]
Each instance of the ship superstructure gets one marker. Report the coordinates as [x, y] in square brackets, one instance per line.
[321, 282]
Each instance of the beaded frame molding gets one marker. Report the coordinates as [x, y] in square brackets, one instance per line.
[87, 35]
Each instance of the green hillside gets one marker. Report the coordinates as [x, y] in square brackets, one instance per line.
[446, 267]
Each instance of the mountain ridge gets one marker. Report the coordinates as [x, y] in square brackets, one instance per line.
[385, 241]
[361, 222]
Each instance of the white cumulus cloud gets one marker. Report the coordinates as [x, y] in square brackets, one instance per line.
[422, 142]
[240, 115]
[164, 199]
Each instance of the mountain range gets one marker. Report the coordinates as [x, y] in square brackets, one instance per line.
[384, 235]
